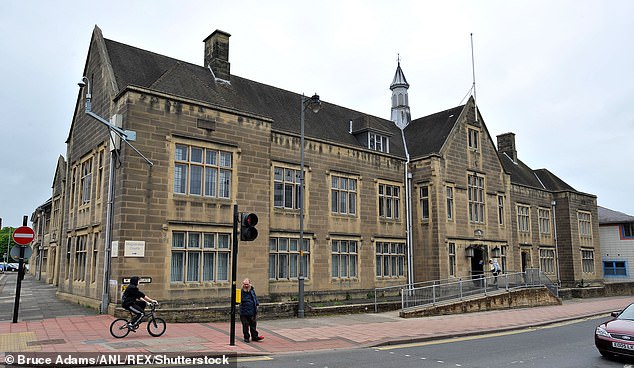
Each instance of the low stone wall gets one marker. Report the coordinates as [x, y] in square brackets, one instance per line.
[520, 298]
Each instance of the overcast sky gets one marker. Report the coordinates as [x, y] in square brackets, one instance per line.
[558, 74]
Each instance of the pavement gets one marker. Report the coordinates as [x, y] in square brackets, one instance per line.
[49, 325]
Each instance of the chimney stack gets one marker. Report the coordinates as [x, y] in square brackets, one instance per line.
[217, 54]
[506, 144]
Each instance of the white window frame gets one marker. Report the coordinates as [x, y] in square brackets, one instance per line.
[286, 187]
[378, 142]
[344, 258]
[194, 250]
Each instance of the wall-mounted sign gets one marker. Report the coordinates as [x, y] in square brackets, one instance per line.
[134, 248]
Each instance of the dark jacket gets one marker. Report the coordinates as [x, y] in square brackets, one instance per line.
[248, 303]
[130, 295]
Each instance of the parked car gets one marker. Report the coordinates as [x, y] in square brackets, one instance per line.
[616, 336]
[9, 266]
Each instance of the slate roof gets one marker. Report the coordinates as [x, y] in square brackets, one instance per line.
[523, 175]
[427, 135]
[136, 67]
[608, 216]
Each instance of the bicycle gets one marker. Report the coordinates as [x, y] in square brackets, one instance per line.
[156, 326]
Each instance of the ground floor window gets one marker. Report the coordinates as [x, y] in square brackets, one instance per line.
[587, 261]
[286, 258]
[390, 259]
[344, 259]
[614, 268]
[200, 256]
[547, 260]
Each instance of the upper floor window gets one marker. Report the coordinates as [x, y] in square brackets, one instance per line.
[389, 201]
[86, 181]
[523, 218]
[378, 142]
[627, 230]
[343, 191]
[286, 187]
[585, 223]
[500, 209]
[476, 198]
[449, 203]
[100, 172]
[424, 202]
[544, 220]
[202, 171]
[474, 139]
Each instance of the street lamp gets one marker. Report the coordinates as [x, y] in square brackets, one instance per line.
[126, 136]
[314, 104]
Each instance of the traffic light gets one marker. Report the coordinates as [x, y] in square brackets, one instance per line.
[248, 232]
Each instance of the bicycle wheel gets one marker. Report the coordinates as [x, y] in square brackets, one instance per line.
[119, 328]
[156, 326]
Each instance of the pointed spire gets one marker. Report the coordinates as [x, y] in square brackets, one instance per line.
[400, 101]
[399, 78]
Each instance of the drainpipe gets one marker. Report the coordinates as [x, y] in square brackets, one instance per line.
[408, 210]
[554, 203]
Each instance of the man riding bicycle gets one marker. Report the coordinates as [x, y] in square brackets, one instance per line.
[135, 301]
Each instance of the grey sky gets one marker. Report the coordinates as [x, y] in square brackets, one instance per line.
[556, 73]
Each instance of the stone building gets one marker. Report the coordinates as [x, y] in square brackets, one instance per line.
[386, 202]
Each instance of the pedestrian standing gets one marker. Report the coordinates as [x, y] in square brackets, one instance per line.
[248, 312]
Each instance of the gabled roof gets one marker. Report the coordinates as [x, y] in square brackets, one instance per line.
[608, 216]
[427, 135]
[136, 67]
[523, 175]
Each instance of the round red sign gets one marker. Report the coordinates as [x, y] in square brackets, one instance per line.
[23, 235]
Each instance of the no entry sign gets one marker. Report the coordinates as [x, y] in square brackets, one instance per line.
[23, 235]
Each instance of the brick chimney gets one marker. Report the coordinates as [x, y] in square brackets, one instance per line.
[506, 144]
[217, 54]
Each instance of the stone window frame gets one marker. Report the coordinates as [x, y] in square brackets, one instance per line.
[544, 222]
[352, 195]
[523, 218]
[295, 185]
[203, 249]
[547, 260]
[300, 254]
[219, 165]
[348, 256]
[476, 197]
[587, 260]
[584, 221]
[392, 252]
[383, 199]
[450, 195]
[424, 201]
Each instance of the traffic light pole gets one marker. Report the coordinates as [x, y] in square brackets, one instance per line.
[234, 269]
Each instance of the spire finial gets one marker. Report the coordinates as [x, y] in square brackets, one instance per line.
[398, 58]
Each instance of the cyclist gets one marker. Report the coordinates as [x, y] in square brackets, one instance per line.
[135, 301]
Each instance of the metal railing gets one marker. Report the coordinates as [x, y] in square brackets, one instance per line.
[477, 285]
[433, 292]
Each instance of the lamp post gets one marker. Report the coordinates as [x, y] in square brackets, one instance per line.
[126, 136]
[314, 104]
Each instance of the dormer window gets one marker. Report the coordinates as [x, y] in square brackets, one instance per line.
[378, 142]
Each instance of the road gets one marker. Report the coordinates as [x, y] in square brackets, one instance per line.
[564, 345]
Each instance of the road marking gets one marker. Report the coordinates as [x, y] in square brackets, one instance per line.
[484, 336]
[253, 358]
